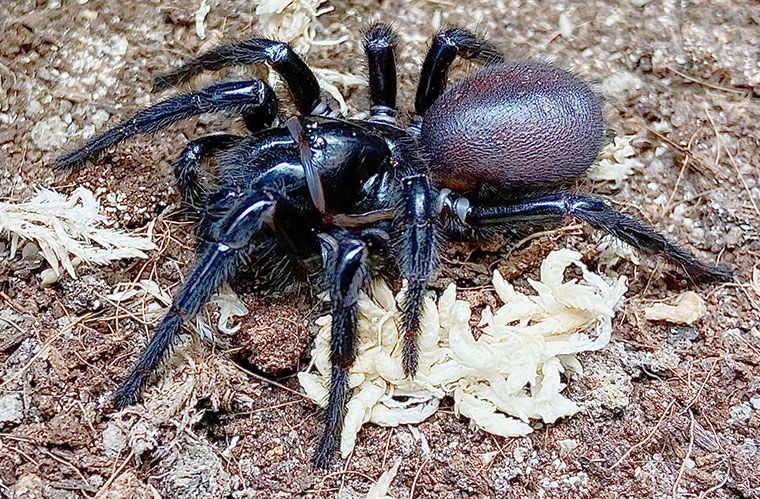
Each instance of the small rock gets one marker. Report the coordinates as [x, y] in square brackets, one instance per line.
[11, 408]
[198, 473]
[520, 453]
[28, 486]
[682, 335]
[50, 134]
[749, 447]
[567, 445]
[96, 481]
[84, 294]
[127, 484]
[610, 388]
[488, 457]
[501, 478]
[405, 443]
[741, 413]
[114, 440]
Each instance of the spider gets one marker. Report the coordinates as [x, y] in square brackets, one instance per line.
[495, 152]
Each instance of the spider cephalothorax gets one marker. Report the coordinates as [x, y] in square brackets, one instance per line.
[464, 167]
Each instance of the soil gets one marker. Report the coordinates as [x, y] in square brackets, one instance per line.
[669, 410]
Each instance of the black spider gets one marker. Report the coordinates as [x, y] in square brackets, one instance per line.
[509, 137]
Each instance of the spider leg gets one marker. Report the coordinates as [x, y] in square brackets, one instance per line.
[379, 45]
[229, 245]
[448, 44]
[187, 168]
[417, 255]
[280, 56]
[597, 213]
[346, 269]
[252, 98]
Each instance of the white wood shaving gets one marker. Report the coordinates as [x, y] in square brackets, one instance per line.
[755, 283]
[230, 306]
[151, 302]
[379, 489]
[508, 377]
[612, 250]
[68, 226]
[689, 308]
[290, 21]
[329, 79]
[200, 19]
[294, 22]
[615, 162]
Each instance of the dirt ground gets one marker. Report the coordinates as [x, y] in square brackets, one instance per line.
[670, 411]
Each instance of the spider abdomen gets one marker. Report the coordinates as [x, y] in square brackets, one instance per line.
[512, 125]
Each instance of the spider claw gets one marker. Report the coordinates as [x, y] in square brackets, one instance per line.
[410, 361]
[128, 393]
[699, 272]
[324, 451]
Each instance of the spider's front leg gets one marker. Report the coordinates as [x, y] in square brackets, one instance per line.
[228, 245]
[254, 99]
[346, 269]
[417, 256]
[379, 46]
[596, 212]
[188, 167]
[280, 56]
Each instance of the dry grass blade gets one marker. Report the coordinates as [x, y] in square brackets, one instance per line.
[417, 477]
[677, 481]
[649, 437]
[706, 84]
[684, 165]
[114, 475]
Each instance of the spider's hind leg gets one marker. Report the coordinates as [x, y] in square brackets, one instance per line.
[448, 44]
[228, 246]
[594, 211]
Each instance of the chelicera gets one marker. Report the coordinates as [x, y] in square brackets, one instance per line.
[495, 152]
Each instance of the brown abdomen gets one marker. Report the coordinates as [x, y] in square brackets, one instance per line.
[511, 125]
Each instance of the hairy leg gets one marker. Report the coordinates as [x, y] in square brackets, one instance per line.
[244, 97]
[448, 44]
[346, 269]
[217, 261]
[379, 45]
[187, 168]
[300, 79]
[417, 257]
[597, 213]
